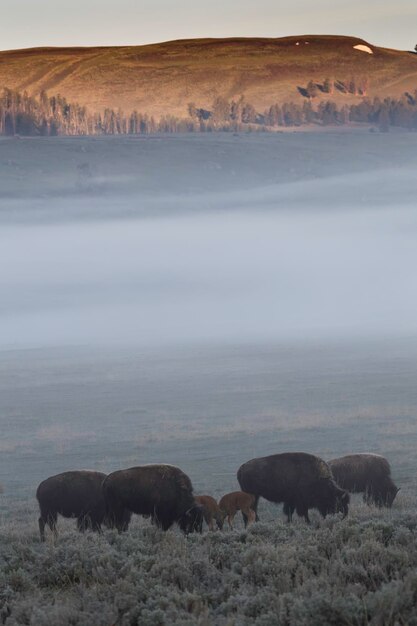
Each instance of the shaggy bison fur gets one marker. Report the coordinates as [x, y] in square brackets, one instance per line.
[367, 473]
[301, 481]
[72, 494]
[162, 492]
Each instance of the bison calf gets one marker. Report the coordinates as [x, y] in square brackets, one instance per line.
[301, 481]
[162, 492]
[211, 512]
[367, 473]
[236, 501]
[72, 494]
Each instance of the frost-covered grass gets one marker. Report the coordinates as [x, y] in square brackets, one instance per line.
[208, 413]
[357, 571]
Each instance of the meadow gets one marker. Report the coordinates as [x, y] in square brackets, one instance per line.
[207, 411]
[202, 301]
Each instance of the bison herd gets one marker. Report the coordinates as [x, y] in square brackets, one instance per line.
[164, 493]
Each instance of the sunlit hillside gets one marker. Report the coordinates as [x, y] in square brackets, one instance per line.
[164, 78]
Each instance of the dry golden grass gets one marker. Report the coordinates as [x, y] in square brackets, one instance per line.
[164, 78]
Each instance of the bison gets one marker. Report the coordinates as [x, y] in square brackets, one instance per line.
[211, 512]
[367, 473]
[162, 492]
[72, 494]
[236, 501]
[301, 481]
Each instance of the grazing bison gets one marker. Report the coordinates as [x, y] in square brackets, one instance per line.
[72, 494]
[367, 473]
[211, 512]
[301, 481]
[162, 492]
[236, 501]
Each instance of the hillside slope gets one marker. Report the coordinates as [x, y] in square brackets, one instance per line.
[164, 78]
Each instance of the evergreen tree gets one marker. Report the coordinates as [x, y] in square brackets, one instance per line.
[236, 110]
[328, 86]
[352, 86]
[384, 119]
[220, 111]
[311, 89]
[308, 113]
[248, 114]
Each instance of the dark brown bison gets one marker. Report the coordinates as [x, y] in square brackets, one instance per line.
[367, 473]
[211, 512]
[162, 492]
[76, 494]
[301, 481]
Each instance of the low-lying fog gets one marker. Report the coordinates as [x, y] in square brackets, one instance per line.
[214, 299]
[238, 277]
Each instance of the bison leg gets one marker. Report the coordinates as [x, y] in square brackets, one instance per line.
[45, 517]
[208, 518]
[162, 520]
[230, 519]
[95, 525]
[119, 522]
[199, 525]
[83, 523]
[249, 516]
[378, 499]
[255, 508]
[50, 518]
[368, 497]
[125, 520]
[86, 522]
[42, 523]
[245, 518]
[302, 511]
[288, 511]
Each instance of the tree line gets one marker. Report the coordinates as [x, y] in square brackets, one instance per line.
[22, 114]
[357, 86]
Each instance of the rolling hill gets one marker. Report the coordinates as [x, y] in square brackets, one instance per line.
[163, 78]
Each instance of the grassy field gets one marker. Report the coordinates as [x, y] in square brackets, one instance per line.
[163, 78]
[359, 571]
[208, 411]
